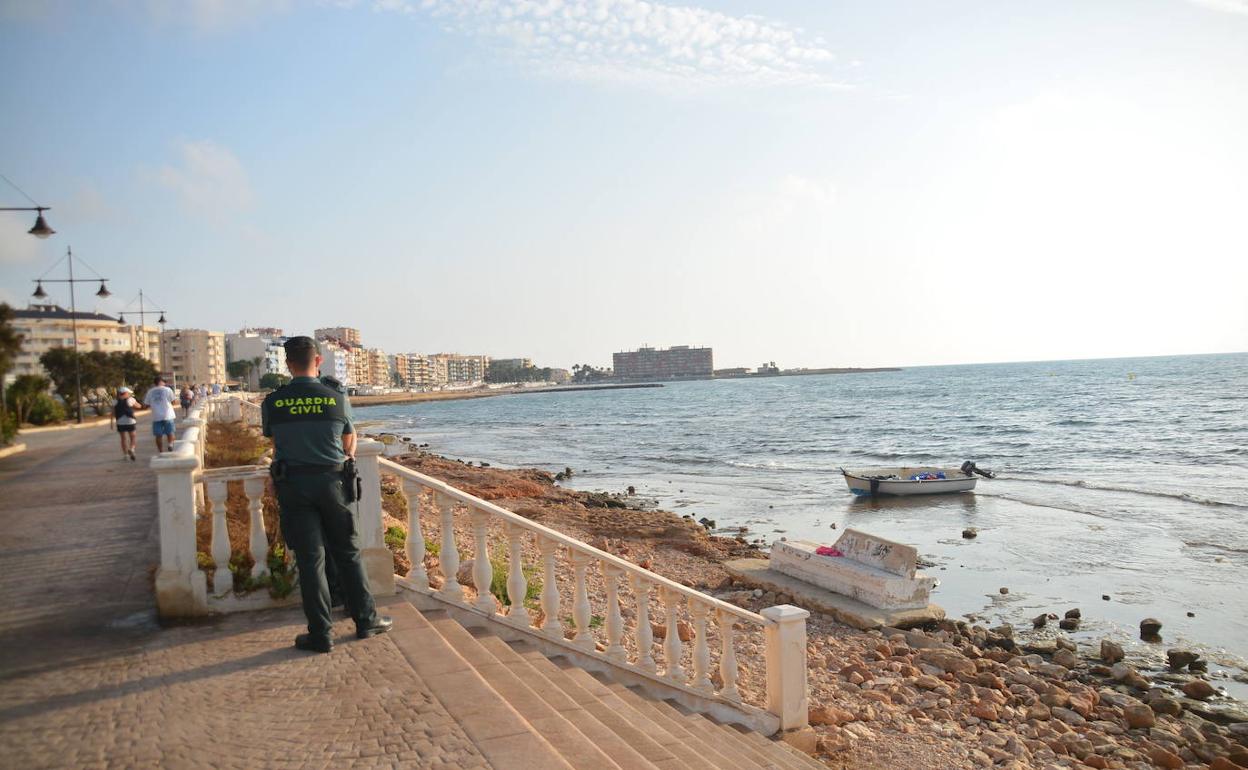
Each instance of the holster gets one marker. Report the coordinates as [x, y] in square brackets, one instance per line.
[277, 470]
[352, 485]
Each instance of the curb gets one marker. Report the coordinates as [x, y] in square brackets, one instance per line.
[71, 426]
[15, 449]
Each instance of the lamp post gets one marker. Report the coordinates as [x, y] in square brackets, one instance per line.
[41, 229]
[73, 315]
[143, 313]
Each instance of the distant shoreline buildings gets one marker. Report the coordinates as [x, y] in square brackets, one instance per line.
[676, 362]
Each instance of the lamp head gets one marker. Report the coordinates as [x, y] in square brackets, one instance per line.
[41, 229]
[39, 292]
[103, 292]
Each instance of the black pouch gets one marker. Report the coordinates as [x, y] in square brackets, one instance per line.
[277, 470]
[352, 485]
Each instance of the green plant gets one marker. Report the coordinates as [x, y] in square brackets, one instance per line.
[498, 581]
[204, 561]
[8, 428]
[432, 548]
[282, 576]
[396, 537]
[43, 409]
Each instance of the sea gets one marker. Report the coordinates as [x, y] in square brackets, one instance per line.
[1121, 489]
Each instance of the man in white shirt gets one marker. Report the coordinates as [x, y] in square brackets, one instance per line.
[160, 398]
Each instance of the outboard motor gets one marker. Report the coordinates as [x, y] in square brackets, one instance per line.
[969, 468]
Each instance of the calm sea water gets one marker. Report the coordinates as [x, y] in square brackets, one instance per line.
[1125, 477]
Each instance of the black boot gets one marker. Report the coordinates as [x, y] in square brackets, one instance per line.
[314, 643]
[381, 625]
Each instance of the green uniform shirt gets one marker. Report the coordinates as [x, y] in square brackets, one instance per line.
[306, 419]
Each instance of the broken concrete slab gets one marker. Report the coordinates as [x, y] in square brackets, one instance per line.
[878, 572]
[758, 574]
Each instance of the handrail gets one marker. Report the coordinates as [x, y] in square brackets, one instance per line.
[235, 473]
[442, 487]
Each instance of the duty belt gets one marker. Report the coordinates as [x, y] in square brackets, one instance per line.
[282, 470]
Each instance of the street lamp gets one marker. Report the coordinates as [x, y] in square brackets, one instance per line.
[41, 229]
[103, 292]
[142, 313]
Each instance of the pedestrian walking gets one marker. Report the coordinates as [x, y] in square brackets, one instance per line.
[160, 398]
[187, 397]
[314, 476]
[123, 412]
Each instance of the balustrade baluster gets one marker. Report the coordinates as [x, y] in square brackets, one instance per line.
[415, 544]
[482, 570]
[448, 555]
[701, 679]
[222, 580]
[671, 641]
[580, 603]
[727, 657]
[254, 490]
[615, 621]
[645, 635]
[551, 625]
[517, 584]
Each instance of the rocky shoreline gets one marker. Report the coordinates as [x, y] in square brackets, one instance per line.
[952, 695]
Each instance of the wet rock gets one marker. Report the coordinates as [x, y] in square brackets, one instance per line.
[1191, 614]
[1139, 716]
[1111, 652]
[1104, 597]
[1005, 630]
[1199, 689]
[1164, 704]
[1066, 658]
[1068, 624]
[1074, 613]
[1198, 666]
[1179, 659]
[1065, 644]
[1041, 646]
[1040, 621]
[970, 533]
[1003, 590]
[1150, 629]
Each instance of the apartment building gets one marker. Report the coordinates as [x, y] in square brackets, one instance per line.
[46, 326]
[414, 369]
[454, 369]
[335, 361]
[379, 369]
[678, 361]
[343, 334]
[258, 346]
[193, 356]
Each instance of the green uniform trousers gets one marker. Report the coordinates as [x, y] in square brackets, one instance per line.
[316, 521]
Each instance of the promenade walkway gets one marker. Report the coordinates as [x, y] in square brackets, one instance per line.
[89, 679]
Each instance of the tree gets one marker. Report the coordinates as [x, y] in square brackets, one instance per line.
[135, 370]
[273, 381]
[21, 395]
[241, 370]
[10, 346]
[102, 374]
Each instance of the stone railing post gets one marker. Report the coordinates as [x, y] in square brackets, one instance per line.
[378, 561]
[786, 665]
[181, 588]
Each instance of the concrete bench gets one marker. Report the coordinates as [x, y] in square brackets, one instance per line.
[874, 571]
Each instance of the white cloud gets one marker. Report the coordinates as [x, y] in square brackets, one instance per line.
[634, 41]
[209, 179]
[1228, 6]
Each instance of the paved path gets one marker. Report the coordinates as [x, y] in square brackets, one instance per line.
[88, 678]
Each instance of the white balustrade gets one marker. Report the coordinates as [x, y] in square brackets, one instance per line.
[551, 624]
[645, 634]
[482, 570]
[701, 679]
[615, 621]
[671, 638]
[581, 610]
[253, 488]
[449, 552]
[517, 584]
[784, 626]
[222, 582]
[415, 544]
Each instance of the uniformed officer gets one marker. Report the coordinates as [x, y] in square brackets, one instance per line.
[313, 437]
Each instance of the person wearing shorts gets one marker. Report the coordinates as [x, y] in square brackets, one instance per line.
[187, 397]
[123, 411]
[161, 399]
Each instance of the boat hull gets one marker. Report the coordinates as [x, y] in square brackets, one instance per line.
[860, 484]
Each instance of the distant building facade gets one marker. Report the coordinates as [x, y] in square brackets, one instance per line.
[265, 349]
[415, 370]
[145, 340]
[512, 363]
[341, 333]
[335, 362]
[45, 326]
[454, 369]
[193, 356]
[658, 364]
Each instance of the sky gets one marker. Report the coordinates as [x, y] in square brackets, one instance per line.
[817, 184]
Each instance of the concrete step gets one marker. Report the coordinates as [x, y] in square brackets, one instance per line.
[602, 736]
[749, 743]
[713, 751]
[618, 721]
[795, 757]
[553, 726]
[688, 755]
[499, 732]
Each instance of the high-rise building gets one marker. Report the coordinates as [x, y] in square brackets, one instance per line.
[454, 369]
[414, 370]
[379, 369]
[335, 362]
[193, 356]
[676, 362]
[145, 340]
[340, 333]
[358, 366]
[45, 326]
[265, 351]
[512, 363]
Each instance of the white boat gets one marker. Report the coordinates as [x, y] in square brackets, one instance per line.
[871, 482]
